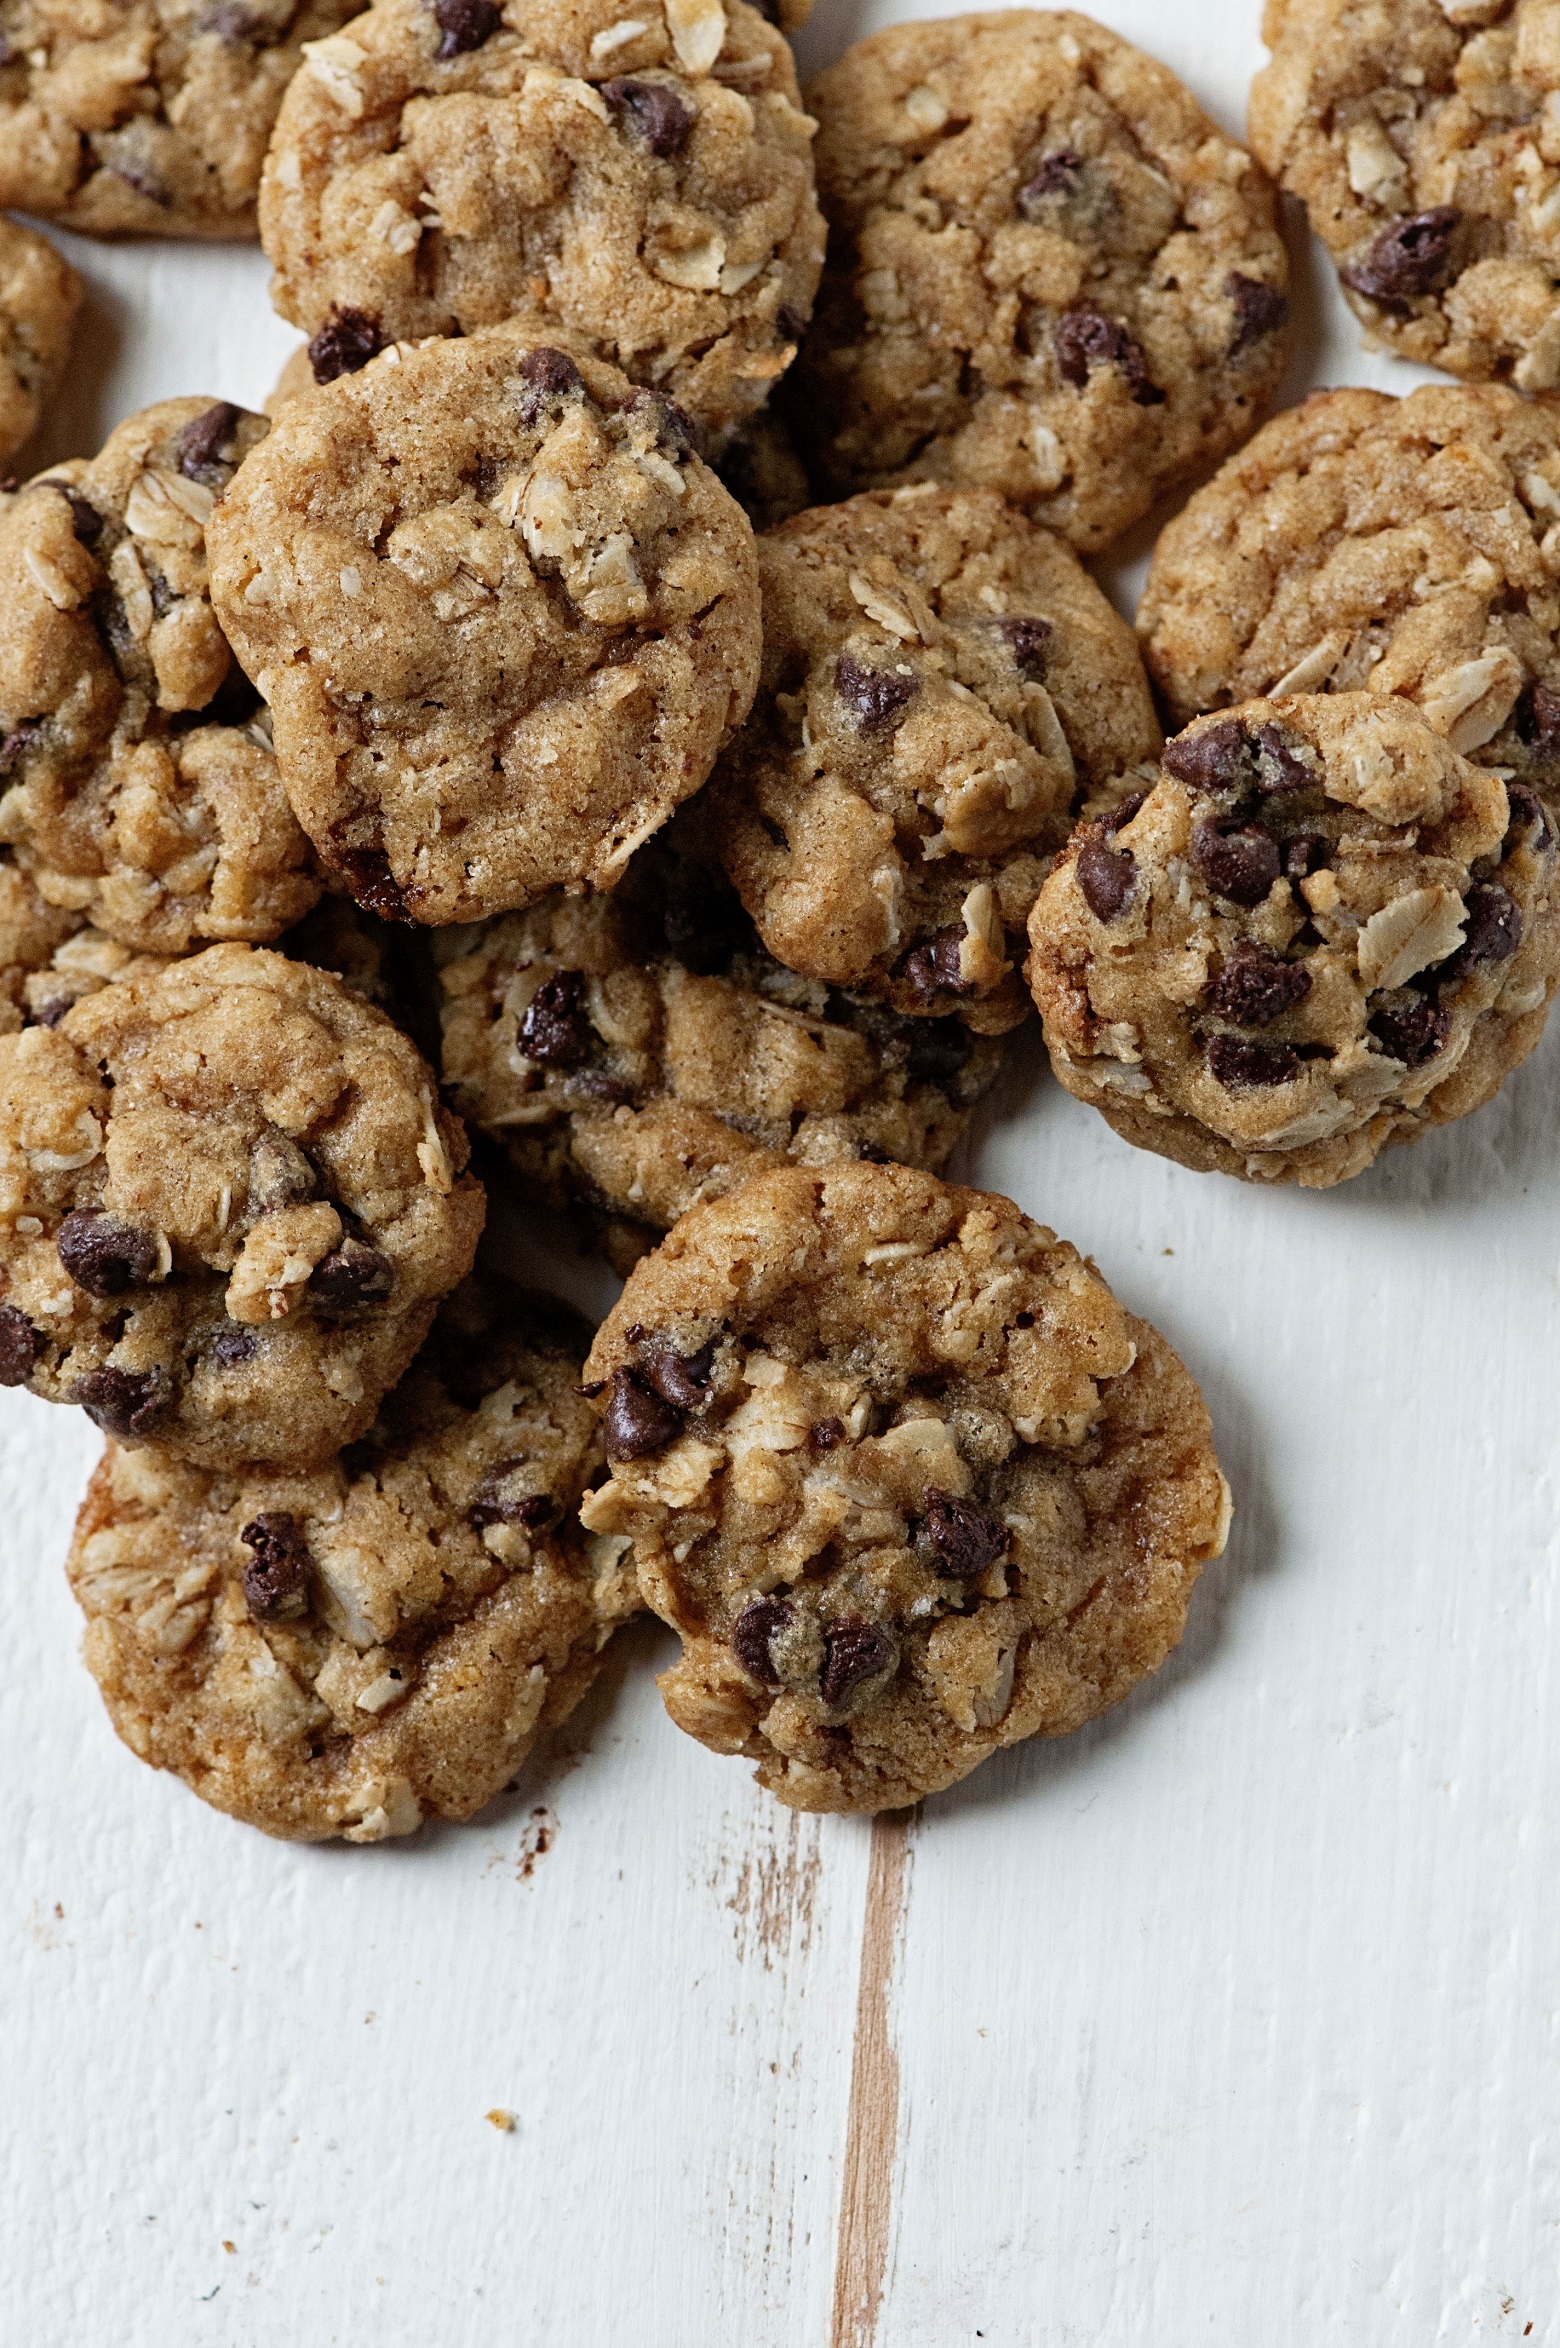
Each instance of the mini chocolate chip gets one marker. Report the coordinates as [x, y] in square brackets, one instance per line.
[85, 520]
[347, 341]
[1408, 258]
[1240, 1065]
[1278, 765]
[367, 874]
[935, 1049]
[933, 969]
[1493, 934]
[205, 437]
[1028, 641]
[125, 1403]
[1260, 310]
[351, 1276]
[751, 1634]
[672, 425]
[1241, 864]
[50, 1014]
[277, 1575]
[1256, 987]
[1305, 853]
[637, 1420]
[498, 1500]
[1538, 720]
[229, 21]
[853, 1652]
[681, 1379]
[1107, 876]
[963, 1539]
[1527, 813]
[465, 24]
[555, 1031]
[652, 113]
[1120, 816]
[232, 1344]
[1085, 338]
[103, 1256]
[142, 179]
[1209, 758]
[1413, 1034]
[17, 743]
[824, 1434]
[1054, 175]
[875, 698]
[547, 375]
[20, 1346]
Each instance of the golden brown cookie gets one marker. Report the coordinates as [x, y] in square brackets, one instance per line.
[39, 296]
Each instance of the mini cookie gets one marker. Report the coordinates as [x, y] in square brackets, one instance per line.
[1320, 932]
[350, 1650]
[1423, 138]
[505, 618]
[638, 1053]
[942, 685]
[229, 1205]
[1405, 546]
[903, 1476]
[1049, 272]
[129, 118]
[141, 792]
[39, 297]
[642, 181]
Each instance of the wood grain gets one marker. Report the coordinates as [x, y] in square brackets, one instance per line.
[872, 2122]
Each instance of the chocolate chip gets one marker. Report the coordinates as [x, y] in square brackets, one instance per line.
[125, 1403]
[1260, 310]
[103, 1256]
[367, 874]
[347, 341]
[142, 179]
[935, 1049]
[555, 1031]
[1410, 257]
[1210, 758]
[1538, 720]
[1256, 987]
[1085, 338]
[1413, 1034]
[1120, 816]
[751, 1634]
[681, 1379]
[1028, 640]
[50, 1014]
[652, 113]
[17, 743]
[85, 520]
[1241, 864]
[963, 1539]
[853, 1652]
[1527, 814]
[1107, 876]
[205, 437]
[1240, 1065]
[1054, 175]
[547, 376]
[637, 1420]
[1279, 767]
[933, 969]
[875, 698]
[1305, 853]
[277, 1575]
[1493, 933]
[673, 426]
[230, 21]
[20, 1346]
[351, 1276]
[233, 1344]
[824, 1434]
[279, 1173]
[465, 24]
[500, 1498]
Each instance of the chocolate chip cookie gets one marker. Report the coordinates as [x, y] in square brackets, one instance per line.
[902, 1475]
[1424, 140]
[133, 118]
[503, 613]
[1320, 932]
[350, 1649]
[636, 1053]
[942, 686]
[39, 296]
[1049, 273]
[229, 1206]
[140, 789]
[642, 180]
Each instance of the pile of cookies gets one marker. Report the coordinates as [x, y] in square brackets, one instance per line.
[441, 751]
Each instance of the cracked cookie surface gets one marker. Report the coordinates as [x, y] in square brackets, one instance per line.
[642, 180]
[903, 1476]
[229, 1205]
[1049, 273]
[503, 614]
[347, 1650]
[1321, 931]
[140, 788]
[942, 686]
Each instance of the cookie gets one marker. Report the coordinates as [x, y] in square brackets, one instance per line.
[39, 296]
[643, 182]
[901, 1474]
[229, 1206]
[637, 1053]
[1423, 139]
[503, 614]
[942, 686]
[1321, 931]
[31, 933]
[140, 788]
[1363, 542]
[126, 118]
[350, 1649]
[1049, 274]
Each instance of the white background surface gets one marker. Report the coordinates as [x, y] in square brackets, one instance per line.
[1232, 2019]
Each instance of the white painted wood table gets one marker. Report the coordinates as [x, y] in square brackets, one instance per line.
[1235, 2018]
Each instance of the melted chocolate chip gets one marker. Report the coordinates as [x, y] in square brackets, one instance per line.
[1493, 933]
[279, 1173]
[205, 437]
[933, 969]
[1413, 1034]
[935, 1049]
[1210, 758]
[1256, 987]
[232, 1344]
[875, 698]
[347, 341]
[124, 1403]
[17, 743]
[351, 1276]
[751, 1634]
[673, 426]
[500, 1498]
[1241, 1066]
[1241, 864]
[142, 179]
[963, 1539]
[1527, 814]
[1260, 310]
[547, 375]
[1538, 720]
[637, 1420]
[1028, 641]
[1054, 175]
[367, 874]
[464, 24]
[103, 1256]
[1279, 767]
[682, 1379]
[1120, 816]
[1107, 876]
[1411, 257]
[1305, 853]
[555, 1031]
[20, 1346]
[85, 520]
[50, 1014]
[1085, 339]
[651, 113]
[277, 1575]
[824, 1434]
[853, 1652]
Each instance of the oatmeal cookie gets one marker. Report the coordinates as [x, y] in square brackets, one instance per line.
[942, 685]
[140, 787]
[229, 1206]
[503, 614]
[902, 1475]
[643, 182]
[31, 934]
[39, 296]
[1049, 272]
[1320, 932]
[350, 1649]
